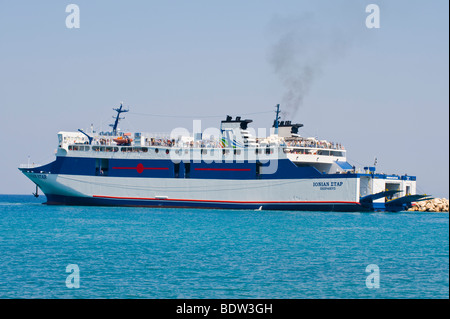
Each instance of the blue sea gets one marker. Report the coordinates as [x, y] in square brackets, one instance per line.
[123, 252]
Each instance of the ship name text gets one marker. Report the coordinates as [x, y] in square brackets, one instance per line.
[327, 185]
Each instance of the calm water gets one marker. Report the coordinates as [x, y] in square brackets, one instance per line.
[188, 253]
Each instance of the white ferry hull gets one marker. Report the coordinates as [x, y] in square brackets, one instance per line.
[336, 194]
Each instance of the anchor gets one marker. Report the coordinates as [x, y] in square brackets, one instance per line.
[37, 192]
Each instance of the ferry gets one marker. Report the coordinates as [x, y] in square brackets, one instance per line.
[234, 170]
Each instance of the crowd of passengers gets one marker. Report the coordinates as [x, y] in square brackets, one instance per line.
[166, 142]
[315, 144]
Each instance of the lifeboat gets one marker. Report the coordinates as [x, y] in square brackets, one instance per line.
[123, 140]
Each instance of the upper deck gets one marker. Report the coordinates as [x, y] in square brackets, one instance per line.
[324, 156]
[234, 142]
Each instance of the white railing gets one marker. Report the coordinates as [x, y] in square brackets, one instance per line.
[300, 145]
[29, 165]
[315, 151]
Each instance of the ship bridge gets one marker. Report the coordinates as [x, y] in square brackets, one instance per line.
[327, 157]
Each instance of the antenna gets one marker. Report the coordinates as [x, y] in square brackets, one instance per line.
[116, 122]
[277, 118]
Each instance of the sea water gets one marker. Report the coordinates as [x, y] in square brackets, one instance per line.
[122, 252]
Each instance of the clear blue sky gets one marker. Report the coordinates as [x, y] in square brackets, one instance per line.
[381, 92]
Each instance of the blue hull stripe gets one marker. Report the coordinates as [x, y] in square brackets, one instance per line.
[165, 168]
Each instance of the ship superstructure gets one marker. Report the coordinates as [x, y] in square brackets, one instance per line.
[237, 170]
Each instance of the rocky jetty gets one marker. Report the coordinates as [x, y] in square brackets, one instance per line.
[431, 205]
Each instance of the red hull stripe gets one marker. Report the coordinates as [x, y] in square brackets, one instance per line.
[227, 201]
[140, 168]
[137, 168]
[224, 169]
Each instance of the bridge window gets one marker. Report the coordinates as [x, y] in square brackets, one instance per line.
[322, 152]
[336, 153]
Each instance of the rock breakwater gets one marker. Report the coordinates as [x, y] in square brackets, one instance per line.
[431, 205]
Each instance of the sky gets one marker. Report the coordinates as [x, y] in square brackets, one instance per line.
[381, 92]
